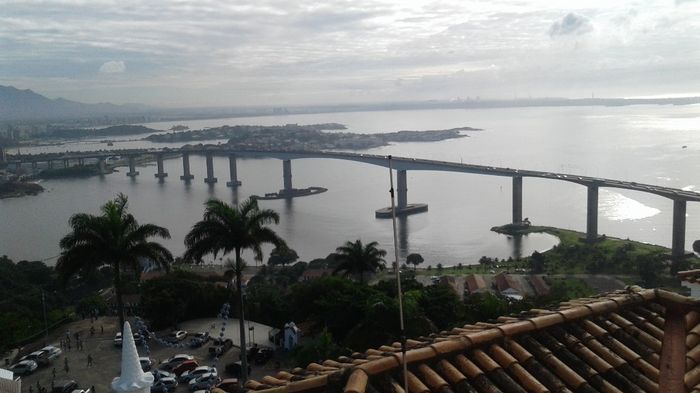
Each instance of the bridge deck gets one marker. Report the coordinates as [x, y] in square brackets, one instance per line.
[399, 163]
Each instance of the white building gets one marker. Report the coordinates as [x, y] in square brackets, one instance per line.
[292, 334]
[8, 382]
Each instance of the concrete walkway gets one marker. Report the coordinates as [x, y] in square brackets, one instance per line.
[259, 333]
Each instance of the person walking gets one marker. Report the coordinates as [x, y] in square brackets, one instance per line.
[89, 360]
[65, 364]
[53, 373]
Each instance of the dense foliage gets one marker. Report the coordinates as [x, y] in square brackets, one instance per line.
[21, 312]
[180, 296]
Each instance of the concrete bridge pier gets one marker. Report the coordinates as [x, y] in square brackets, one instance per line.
[592, 214]
[678, 234]
[287, 174]
[159, 162]
[81, 162]
[186, 175]
[49, 163]
[132, 167]
[402, 189]
[517, 200]
[233, 169]
[101, 166]
[34, 165]
[66, 163]
[210, 169]
[403, 208]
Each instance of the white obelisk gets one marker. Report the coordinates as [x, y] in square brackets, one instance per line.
[132, 379]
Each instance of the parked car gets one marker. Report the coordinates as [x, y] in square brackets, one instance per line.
[264, 354]
[176, 336]
[52, 352]
[199, 339]
[158, 374]
[164, 383]
[66, 386]
[229, 385]
[138, 339]
[220, 346]
[41, 357]
[187, 376]
[205, 381]
[146, 363]
[24, 367]
[185, 366]
[234, 369]
[173, 362]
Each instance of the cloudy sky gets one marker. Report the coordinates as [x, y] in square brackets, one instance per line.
[228, 52]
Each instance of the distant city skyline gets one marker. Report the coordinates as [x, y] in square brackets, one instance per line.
[220, 53]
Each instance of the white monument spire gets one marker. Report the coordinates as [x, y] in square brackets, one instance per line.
[132, 379]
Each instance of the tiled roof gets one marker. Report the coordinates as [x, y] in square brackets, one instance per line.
[505, 281]
[609, 343]
[475, 282]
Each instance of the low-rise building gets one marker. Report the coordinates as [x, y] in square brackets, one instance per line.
[475, 283]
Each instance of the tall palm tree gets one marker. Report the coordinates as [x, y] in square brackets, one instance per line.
[356, 258]
[112, 238]
[225, 228]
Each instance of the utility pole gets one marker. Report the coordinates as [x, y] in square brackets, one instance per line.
[43, 306]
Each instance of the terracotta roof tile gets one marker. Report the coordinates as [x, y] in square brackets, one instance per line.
[608, 343]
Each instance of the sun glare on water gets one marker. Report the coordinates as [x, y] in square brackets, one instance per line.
[618, 207]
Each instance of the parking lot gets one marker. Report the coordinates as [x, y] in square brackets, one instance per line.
[106, 357]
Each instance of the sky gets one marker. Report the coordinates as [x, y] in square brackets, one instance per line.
[232, 53]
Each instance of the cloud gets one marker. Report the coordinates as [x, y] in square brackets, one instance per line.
[571, 24]
[113, 67]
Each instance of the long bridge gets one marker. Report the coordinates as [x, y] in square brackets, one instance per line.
[400, 164]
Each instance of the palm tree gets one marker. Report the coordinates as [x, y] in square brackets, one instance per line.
[356, 258]
[112, 238]
[225, 228]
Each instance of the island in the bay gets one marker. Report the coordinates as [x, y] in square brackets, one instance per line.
[306, 137]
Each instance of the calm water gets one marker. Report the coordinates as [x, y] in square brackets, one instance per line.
[641, 143]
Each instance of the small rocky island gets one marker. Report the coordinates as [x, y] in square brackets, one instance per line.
[17, 188]
[306, 137]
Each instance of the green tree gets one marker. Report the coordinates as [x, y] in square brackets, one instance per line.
[414, 259]
[225, 229]
[282, 256]
[357, 259]
[112, 238]
[537, 262]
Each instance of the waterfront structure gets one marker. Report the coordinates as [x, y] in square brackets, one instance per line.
[402, 165]
[633, 340]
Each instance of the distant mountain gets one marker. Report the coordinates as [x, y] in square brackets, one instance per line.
[18, 104]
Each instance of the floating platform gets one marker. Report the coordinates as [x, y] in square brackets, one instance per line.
[411, 208]
[293, 193]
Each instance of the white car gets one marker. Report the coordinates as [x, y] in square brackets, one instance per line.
[52, 352]
[187, 376]
[24, 367]
[118, 339]
[176, 336]
[41, 357]
[204, 381]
